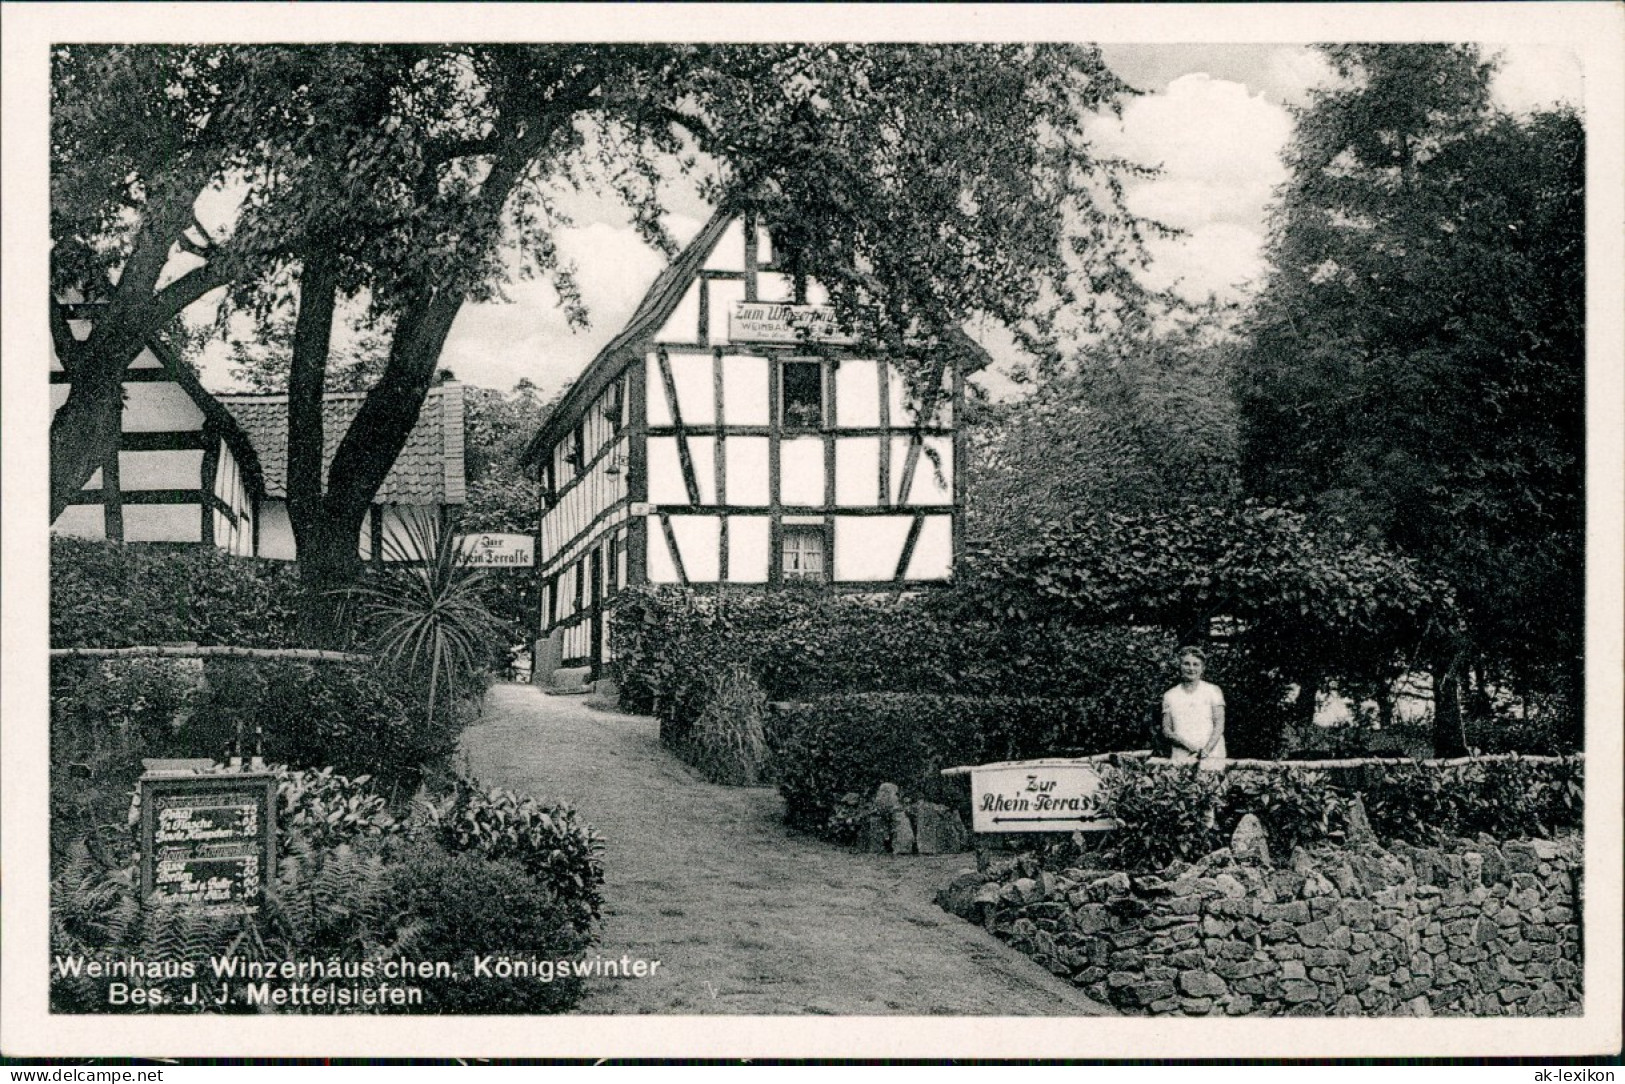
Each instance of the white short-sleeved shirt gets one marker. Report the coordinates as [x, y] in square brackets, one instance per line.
[1192, 713]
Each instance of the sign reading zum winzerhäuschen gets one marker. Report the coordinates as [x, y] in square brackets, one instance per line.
[781, 322]
[207, 841]
[1038, 796]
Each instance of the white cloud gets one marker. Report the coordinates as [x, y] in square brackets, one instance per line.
[1291, 73]
[528, 337]
[1535, 77]
[1221, 259]
[1219, 147]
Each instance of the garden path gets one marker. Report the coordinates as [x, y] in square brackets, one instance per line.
[744, 916]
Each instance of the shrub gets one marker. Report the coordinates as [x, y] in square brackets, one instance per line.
[1178, 811]
[465, 905]
[727, 742]
[358, 718]
[106, 715]
[1164, 814]
[839, 745]
[330, 809]
[549, 842]
[427, 614]
[104, 594]
[1297, 807]
[1505, 799]
[672, 649]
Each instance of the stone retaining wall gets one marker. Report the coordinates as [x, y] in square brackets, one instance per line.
[1483, 929]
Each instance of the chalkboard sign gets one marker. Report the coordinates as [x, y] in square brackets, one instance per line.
[207, 841]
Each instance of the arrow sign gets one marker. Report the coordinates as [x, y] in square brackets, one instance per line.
[1039, 820]
[1038, 796]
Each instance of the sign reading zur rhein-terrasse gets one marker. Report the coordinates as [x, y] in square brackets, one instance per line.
[1038, 796]
[496, 550]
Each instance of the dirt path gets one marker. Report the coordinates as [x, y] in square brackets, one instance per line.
[743, 916]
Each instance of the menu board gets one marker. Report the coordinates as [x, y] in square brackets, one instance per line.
[207, 840]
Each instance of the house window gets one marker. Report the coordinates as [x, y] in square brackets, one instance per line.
[577, 456]
[804, 553]
[802, 395]
[614, 400]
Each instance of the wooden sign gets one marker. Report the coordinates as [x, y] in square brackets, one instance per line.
[1038, 796]
[496, 550]
[777, 322]
[208, 841]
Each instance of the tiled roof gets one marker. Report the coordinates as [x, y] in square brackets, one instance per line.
[429, 469]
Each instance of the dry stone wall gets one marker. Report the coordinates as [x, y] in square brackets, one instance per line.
[1480, 929]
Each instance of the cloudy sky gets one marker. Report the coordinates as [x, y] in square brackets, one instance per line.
[1213, 117]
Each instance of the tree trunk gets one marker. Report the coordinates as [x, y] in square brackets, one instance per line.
[1448, 737]
[84, 435]
[329, 562]
[1304, 708]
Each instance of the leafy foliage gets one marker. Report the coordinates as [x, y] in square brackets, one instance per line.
[105, 717]
[358, 718]
[1163, 815]
[357, 886]
[921, 183]
[1145, 420]
[328, 809]
[104, 594]
[427, 616]
[337, 901]
[798, 645]
[1171, 812]
[501, 496]
[833, 746]
[727, 741]
[548, 841]
[1416, 361]
[1505, 799]
[1307, 601]
[469, 904]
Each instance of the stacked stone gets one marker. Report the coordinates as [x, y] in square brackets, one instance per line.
[887, 826]
[1484, 930]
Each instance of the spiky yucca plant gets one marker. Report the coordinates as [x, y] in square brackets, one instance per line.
[428, 614]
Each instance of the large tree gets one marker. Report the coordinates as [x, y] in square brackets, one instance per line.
[922, 184]
[1141, 420]
[138, 136]
[1416, 362]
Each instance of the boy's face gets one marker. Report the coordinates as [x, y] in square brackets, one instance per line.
[1190, 668]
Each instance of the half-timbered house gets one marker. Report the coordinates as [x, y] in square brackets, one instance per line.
[730, 436]
[427, 478]
[184, 470]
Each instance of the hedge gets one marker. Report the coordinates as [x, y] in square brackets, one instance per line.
[358, 718]
[1172, 811]
[669, 645]
[107, 715]
[831, 747]
[104, 594]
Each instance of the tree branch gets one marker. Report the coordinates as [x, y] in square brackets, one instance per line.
[168, 303]
[67, 347]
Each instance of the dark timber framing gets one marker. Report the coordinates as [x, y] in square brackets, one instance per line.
[206, 479]
[618, 527]
[216, 429]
